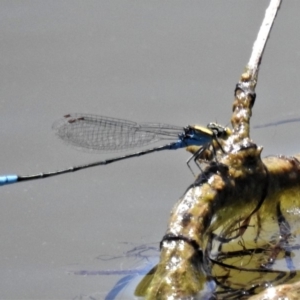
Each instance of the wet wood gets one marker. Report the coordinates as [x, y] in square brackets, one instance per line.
[236, 220]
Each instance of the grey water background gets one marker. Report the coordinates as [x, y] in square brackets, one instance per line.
[173, 62]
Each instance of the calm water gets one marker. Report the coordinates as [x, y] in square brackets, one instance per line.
[172, 62]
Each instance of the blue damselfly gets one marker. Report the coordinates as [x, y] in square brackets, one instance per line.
[98, 133]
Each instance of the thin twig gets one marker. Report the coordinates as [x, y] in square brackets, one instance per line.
[261, 40]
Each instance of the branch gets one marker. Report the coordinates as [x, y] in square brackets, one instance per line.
[261, 40]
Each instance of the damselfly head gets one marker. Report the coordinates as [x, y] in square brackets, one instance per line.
[219, 130]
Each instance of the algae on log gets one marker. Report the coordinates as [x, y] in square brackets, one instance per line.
[234, 232]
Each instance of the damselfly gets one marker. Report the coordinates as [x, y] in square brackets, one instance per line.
[98, 133]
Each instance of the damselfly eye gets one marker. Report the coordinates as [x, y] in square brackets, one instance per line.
[219, 130]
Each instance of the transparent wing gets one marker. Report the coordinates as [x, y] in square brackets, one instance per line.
[100, 133]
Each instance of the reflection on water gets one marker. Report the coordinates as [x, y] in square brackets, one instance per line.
[143, 257]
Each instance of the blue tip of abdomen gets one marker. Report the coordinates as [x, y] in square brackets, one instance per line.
[8, 179]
